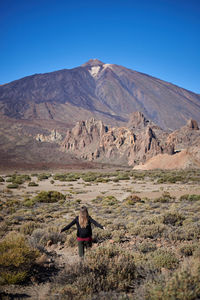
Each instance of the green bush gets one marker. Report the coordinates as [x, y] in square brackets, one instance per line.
[32, 183]
[43, 176]
[16, 259]
[1, 179]
[29, 202]
[109, 201]
[12, 186]
[148, 231]
[164, 259]
[166, 197]
[188, 197]
[28, 228]
[146, 247]
[133, 199]
[187, 233]
[123, 176]
[173, 218]
[183, 284]
[49, 197]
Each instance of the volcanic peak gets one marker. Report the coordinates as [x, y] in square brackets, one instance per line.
[93, 62]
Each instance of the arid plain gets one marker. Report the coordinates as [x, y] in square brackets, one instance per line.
[150, 244]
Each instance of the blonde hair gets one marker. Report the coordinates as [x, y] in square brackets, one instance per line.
[83, 217]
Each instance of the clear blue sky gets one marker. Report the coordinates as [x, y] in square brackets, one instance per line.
[157, 37]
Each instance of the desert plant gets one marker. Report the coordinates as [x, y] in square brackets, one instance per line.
[132, 199]
[12, 186]
[173, 218]
[16, 259]
[164, 259]
[32, 183]
[184, 284]
[146, 247]
[166, 197]
[28, 227]
[29, 202]
[188, 249]
[109, 200]
[107, 269]
[43, 176]
[2, 179]
[188, 197]
[49, 197]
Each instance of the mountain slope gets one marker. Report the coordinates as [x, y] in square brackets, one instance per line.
[105, 91]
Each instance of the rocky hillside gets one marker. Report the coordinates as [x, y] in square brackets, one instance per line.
[107, 92]
[93, 141]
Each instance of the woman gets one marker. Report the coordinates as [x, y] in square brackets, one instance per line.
[84, 230]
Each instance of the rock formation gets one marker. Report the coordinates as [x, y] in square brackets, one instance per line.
[186, 136]
[53, 137]
[92, 140]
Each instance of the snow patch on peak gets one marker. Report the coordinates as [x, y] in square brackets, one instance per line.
[94, 71]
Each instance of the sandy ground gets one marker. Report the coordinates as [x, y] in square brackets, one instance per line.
[88, 191]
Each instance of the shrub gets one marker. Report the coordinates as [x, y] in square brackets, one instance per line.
[148, 231]
[166, 197]
[12, 186]
[188, 250]
[32, 183]
[188, 197]
[101, 236]
[89, 177]
[49, 197]
[184, 284]
[107, 269]
[29, 202]
[43, 176]
[28, 228]
[173, 218]
[132, 199]
[1, 179]
[40, 237]
[145, 247]
[187, 233]
[123, 176]
[109, 200]
[164, 259]
[16, 259]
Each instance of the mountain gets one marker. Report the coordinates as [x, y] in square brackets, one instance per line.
[107, 92]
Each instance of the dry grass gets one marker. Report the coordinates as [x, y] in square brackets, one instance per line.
[152, 225]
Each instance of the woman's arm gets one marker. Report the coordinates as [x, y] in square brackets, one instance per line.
[96, 223]
[69, 225]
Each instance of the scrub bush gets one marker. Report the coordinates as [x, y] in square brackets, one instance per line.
[16, 259]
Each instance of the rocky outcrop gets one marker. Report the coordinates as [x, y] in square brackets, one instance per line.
[186, 136]
[192, 124]
[184, 143]
[53, 137]
[94, 141]
[138, 121]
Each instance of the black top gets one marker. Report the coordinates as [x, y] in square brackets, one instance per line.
[83, 232]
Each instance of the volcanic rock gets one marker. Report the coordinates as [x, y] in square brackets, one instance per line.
[94, 141]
